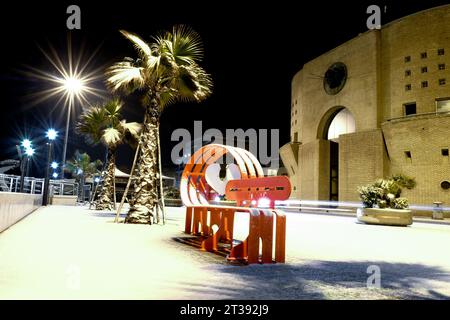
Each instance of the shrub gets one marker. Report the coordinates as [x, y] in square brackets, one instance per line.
[370, 195]
[400, 203]
[404, 181]
[385, 193]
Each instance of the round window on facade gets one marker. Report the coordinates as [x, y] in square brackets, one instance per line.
[445, 185]
[335, 78]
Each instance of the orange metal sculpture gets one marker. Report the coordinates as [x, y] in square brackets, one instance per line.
[202, 217]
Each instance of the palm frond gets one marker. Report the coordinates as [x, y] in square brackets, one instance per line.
[125, 75]
[141, 46]
[192, 83]
[113, 109]
[91, 124]
[134, 128]
[183, 43]
[81, 164]
[111, 137]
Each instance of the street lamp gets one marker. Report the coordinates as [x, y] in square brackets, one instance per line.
[51, 135]
[26, 144]
[29, 153]
[55, 175]
[73, 87]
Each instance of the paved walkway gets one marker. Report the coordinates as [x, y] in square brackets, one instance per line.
[73, 253]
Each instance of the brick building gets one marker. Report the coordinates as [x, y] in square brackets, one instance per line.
[377, 105]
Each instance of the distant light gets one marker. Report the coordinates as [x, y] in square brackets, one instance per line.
[264, 203]
[253, 202]
[80, 171]
[97, 180]
[51, 134]
[217, 199]
[29, 152]
[54, 165]
[26, 143]
[55, 175]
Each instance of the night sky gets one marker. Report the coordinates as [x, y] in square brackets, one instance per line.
[252, 50]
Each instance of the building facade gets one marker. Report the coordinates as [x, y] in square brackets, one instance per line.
[377, 105]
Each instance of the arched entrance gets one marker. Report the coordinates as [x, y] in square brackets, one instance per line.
[337, 121]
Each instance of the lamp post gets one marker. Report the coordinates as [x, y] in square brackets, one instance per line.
[51, 135]
[29, 152]
[26, 144]
[72, 86]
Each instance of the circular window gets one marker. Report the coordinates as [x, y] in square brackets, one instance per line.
[445, 185]
[335, 78]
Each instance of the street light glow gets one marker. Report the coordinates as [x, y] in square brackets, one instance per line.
[73, 85]
[26, 143]
[51, 134]
[29, 152]
[54, 165]
[55, 175]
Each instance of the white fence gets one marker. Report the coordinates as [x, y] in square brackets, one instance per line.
[11, 183]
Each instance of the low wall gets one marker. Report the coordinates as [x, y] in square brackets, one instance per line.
[64, 200]
[15, 206]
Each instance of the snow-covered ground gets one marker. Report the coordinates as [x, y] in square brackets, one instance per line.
[74, 253]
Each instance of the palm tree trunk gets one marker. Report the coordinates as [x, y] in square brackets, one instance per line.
[106, 197]
[161, 185]
[114, 191]
[145, 196]
[128, 184]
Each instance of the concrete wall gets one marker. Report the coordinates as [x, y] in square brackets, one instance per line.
[15, 206]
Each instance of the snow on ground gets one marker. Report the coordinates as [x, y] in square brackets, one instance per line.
[75, 253]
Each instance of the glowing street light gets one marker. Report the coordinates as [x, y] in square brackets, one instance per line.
[51, 134]
[72, 82]
[73, 85]
[55, 175]
[26, 143]
[29, 152]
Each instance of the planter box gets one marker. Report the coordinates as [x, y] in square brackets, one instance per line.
[389, 217]
[64, 200]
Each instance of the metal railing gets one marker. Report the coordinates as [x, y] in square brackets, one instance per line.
[11, 183]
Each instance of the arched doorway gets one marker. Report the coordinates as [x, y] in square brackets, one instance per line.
[337, 121]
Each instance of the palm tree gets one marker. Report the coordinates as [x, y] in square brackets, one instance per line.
[166, 71]
[104, 124]
[82, 167]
